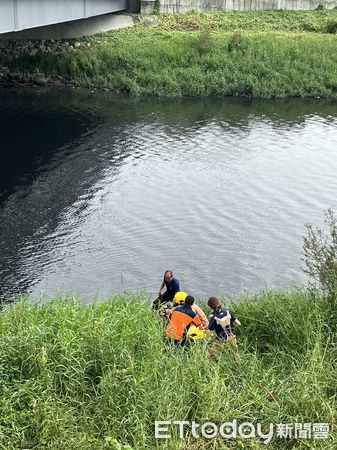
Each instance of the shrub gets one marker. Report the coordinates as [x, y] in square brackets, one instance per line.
[320, 253]
[236, 42]
[331, 26]
[203, 43]
[156, 9]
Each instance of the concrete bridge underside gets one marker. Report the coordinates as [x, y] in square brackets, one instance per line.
[18, 15]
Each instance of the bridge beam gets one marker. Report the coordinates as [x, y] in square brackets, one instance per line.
[73, 29]
[18, 15]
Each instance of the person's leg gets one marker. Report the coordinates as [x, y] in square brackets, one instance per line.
[184, 343]
[156, 303]
[216, 349]
[232, 342]
[166, 297]
[221, 347]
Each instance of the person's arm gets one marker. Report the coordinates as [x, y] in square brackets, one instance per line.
[234, 321]
[175, 287]
[196, 320]
[161, 287]
[212, 323]
[211, 326]
[201, 315]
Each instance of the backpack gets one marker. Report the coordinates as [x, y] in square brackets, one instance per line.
[224, 322]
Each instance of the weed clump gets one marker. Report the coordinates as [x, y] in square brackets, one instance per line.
[256, 55]
[236, 43]
[203, 42]
[320, 254]
[331, 26]
[75, 376]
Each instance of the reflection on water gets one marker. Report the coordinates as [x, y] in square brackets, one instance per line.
[100, 193]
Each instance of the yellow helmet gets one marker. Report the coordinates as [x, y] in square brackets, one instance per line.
[195, 333]
[179, 298]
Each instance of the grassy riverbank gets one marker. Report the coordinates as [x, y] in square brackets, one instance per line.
[252, 54]
[98, 376]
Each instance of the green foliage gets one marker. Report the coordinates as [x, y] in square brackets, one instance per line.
[156, 9]
[224, 54]
[98, 376]
[236, 42]
[331, 26]
[259, 21]
[203, 42]
[320, 254]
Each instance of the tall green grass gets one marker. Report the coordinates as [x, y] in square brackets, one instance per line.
[98, 376]
[318, 21]
[254, 64]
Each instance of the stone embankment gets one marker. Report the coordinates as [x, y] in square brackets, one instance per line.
[16, 47]
[8, 78]
[13, 48]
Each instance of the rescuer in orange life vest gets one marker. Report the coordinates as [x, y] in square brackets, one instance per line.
[182, 318]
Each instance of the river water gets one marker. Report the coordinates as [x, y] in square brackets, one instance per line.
[101, 193]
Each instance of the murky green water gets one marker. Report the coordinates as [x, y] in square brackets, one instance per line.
[100, 193]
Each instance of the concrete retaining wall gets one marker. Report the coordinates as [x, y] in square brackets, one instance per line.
[182, 6]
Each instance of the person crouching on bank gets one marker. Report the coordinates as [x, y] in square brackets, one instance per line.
[222, 322]
[182, 318]
[172, 287]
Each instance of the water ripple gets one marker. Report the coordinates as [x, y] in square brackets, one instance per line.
[220, 198]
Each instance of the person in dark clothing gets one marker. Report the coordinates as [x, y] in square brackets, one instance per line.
[172, 287]
[221, 322]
